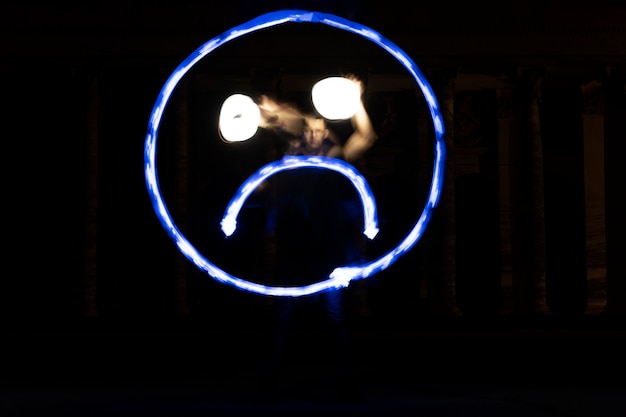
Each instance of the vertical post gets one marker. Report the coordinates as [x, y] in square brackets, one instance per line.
[505, 132]
[444, 289]
[425, 145]
[527, 203]
[615, 178]
[595, 231]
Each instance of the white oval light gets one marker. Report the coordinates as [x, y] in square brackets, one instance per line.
[336, 98]
[239, 118]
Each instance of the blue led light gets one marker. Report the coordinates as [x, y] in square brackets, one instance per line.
[229, 221]
[341, 276]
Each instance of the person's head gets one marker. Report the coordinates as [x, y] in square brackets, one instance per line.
[314, 131]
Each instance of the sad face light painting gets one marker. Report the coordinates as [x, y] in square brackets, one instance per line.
[238, 123]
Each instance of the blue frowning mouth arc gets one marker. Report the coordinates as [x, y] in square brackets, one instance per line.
[342, 275]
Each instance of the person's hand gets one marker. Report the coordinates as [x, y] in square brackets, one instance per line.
[269, 111]
[267, 104]
[275, 115]
[355, 80]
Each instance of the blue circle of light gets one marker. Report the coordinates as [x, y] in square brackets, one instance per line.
[341, 276]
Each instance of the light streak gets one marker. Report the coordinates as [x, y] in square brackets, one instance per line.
[341, 276]
[229, 221]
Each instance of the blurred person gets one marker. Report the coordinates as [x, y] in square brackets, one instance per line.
[314, 226]
[310, 132]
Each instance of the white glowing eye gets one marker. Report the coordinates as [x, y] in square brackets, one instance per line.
[239, 118]
[336, 98]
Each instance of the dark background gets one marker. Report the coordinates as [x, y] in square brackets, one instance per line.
[86, 260]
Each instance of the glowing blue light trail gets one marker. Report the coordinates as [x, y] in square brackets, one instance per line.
[341, 276]
[229, 221]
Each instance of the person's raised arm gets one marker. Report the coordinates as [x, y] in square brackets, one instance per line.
[364, 135]
[277, 116]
